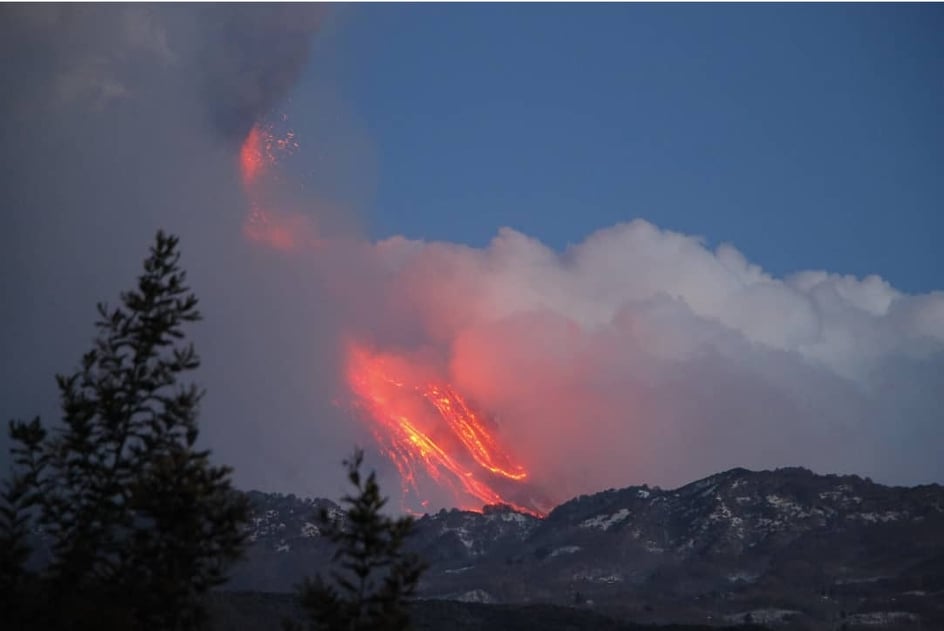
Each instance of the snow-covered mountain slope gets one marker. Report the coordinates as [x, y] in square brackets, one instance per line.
[786, 546]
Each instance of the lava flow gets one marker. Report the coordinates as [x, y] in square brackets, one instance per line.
[427, 428]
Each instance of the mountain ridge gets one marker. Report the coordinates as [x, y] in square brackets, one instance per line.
[784, 546]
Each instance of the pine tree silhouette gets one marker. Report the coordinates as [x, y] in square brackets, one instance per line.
[141, 524]
[374, 578]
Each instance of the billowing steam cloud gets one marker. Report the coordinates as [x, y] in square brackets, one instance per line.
[639, 355]
[642, 355]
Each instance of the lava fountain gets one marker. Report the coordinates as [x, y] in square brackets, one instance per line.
[260, 153]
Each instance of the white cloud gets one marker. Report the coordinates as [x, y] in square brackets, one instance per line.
[642, 355]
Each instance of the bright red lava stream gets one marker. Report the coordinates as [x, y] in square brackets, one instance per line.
[427, 428]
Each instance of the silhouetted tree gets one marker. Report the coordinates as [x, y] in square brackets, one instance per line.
[17, 501]
[374, 578]
[140, 523]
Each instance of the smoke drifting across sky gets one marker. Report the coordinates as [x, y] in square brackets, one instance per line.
[637, 355]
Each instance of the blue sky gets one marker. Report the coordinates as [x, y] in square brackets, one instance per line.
[809, 136]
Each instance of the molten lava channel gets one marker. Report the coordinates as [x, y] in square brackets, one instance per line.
[427, 428]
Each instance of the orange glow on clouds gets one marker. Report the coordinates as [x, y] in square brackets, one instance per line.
[285, 232]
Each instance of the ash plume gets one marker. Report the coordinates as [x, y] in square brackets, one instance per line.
[116, 120]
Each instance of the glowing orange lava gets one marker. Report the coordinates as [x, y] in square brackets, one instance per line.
[427, 428]
[280, 230]
[261, 150]
[250, 156]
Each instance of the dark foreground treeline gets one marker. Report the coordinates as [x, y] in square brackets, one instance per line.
[255, 611]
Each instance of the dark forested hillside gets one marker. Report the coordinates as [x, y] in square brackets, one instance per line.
[254, 611]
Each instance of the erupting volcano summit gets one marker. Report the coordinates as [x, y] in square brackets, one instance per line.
[426, 428]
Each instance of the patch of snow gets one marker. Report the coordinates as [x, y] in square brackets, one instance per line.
[604, 522]
[462, 534]
[283, 547]
[464, 537]
[882, 617]
[711, 487]
[787, 506]
[459, 570]
[853, 581]
[781, 502]
[598, 576]
[510, 516]
[652, 546]
[762, 616]
[565, 550]
[516, 517]
[770, 524]
[841, 494]
[643, 493]
[743, 577]
[310, 530]
[335, 514]
[475, 596]
[722, 512]
[874, 518]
